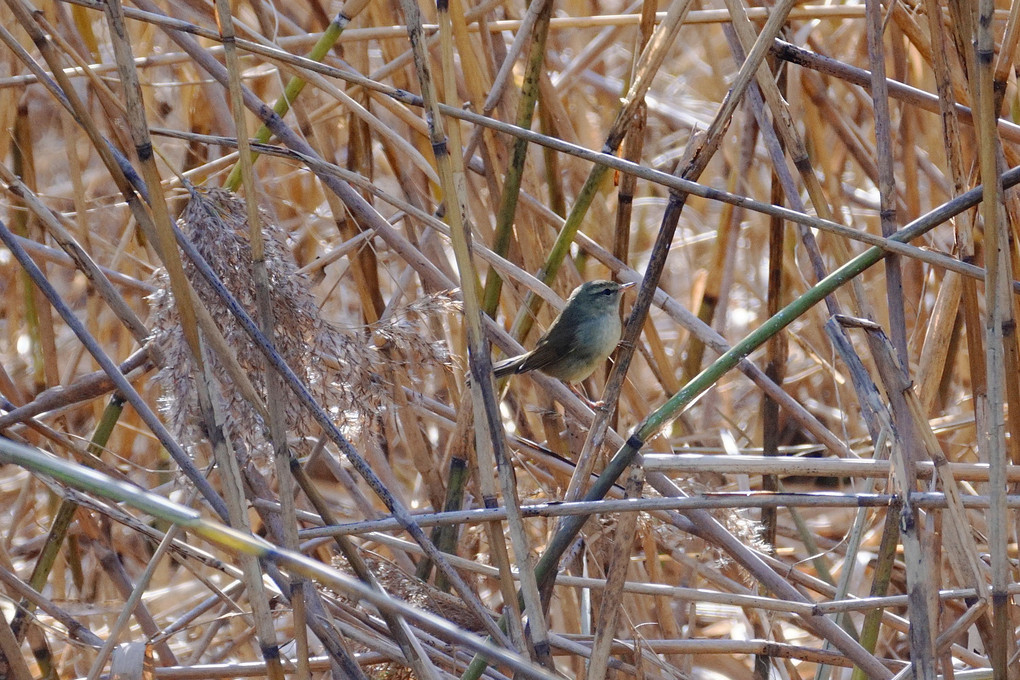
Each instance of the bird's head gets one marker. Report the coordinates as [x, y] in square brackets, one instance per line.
[598, 295]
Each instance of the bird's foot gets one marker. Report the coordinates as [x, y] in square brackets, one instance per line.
[593, 405]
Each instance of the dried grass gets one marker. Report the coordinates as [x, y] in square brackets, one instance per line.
[807, 488]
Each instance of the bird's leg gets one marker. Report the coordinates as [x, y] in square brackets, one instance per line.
[583, 396]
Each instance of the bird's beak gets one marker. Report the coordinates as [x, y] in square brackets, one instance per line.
[629, 284]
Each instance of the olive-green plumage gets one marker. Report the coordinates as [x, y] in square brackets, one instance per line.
[579, 340]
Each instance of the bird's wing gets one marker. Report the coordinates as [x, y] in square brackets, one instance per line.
[558, 341]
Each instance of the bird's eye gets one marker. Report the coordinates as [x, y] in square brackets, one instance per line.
[607, 291]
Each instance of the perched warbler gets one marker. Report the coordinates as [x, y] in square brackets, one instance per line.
[580, 339]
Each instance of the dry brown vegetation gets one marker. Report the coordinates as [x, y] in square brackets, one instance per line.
[841, 523]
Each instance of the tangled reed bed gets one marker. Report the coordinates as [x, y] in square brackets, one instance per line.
[282, 343]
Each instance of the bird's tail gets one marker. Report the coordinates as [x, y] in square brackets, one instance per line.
[508, 366]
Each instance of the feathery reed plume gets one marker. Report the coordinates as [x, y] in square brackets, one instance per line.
[341, 369]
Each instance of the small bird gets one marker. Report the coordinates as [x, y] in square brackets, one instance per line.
[580, 339]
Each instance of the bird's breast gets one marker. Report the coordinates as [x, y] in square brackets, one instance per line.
[599, 337]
